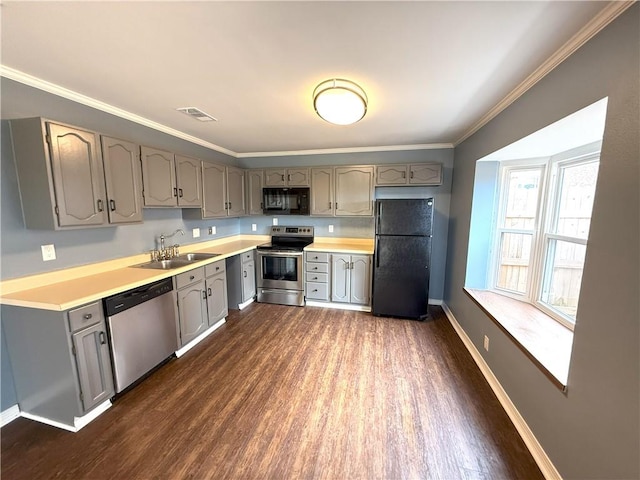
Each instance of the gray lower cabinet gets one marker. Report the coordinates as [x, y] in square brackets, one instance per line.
[60, 361]
[170, 180]
[351, 279]
[192, 304]
[241, 278]
[216, 284]
[316, 276]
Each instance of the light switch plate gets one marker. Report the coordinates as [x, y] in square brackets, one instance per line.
[330, 228]
[196, 232]
[254, 227]
[275, 221]
[212, 230]
[48, 252]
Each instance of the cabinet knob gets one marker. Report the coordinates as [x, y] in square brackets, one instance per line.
[88, 316]
[191, 277]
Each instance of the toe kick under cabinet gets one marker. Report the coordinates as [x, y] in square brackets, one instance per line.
[60, 361]
[338, 278]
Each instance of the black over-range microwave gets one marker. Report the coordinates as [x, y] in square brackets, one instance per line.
[285, 201]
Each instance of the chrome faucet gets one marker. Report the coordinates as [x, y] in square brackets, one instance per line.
[166, 253]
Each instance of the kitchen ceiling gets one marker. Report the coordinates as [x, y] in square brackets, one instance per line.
[431, 70]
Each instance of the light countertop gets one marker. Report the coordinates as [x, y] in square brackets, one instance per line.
[73, 287]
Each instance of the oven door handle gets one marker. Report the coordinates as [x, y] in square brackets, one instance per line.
[280, 254]
[279, 292]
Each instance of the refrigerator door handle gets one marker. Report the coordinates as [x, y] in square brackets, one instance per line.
[378, 217]
[377, 251]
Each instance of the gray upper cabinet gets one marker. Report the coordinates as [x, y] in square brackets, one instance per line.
[322, 192]
[414, 174]
[170, 180]
[123, 179]
[235, 192]
[60, 175]
[189, 181]
[255, 182]
[159, 178]
[354, 187]
[214, 188]
[281, 177]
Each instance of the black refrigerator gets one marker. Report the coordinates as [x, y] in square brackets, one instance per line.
[402, 257]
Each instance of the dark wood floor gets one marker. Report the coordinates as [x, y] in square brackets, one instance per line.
[289, 393]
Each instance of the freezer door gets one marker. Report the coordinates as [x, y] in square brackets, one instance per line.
[401, 276]
[404, 216]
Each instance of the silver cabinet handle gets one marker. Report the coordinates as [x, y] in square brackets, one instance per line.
[175, 192]
[103, 338]
[180, 192]
[100, 206]
[209, 291]
[112, 205]
[204, 294]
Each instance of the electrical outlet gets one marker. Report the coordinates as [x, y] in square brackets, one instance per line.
[275, 221]
[330, 228]
[48, 252]
[212, 230]
[254, 227]
[196, 232]
[486, 343]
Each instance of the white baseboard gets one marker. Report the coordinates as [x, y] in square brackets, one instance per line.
[200, 337]
[245, 304]
[539, 455]
[78, 422]
[339, 306]
[9, 415]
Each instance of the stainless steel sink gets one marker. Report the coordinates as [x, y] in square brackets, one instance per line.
[177, 262]
[196, 257]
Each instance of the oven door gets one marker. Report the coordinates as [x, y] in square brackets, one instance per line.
[280, 270]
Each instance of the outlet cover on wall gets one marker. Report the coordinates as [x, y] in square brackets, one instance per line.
[275, 221]
[48, 252]
[196, 232]
[254, 227]
[486, 343]
[212, 230]
[330, 228]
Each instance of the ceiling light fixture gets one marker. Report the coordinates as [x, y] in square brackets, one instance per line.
[340, 101]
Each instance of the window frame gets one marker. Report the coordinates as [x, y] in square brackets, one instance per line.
[547, 212]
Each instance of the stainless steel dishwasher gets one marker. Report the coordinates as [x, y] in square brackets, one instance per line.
[142, 330]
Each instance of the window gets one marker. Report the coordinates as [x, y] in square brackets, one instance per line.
[544, 213]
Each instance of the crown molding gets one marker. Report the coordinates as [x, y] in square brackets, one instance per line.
[40, 84]
[331, 151]
[604, 18]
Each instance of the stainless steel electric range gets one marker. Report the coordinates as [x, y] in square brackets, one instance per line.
[280, 265]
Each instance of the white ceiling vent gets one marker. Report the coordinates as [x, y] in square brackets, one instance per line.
[197, 114]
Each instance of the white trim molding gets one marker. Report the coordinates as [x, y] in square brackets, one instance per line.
[330, 151]
[9, 415]
[539, 455]
[338, 306]
[607, 15]
[200, 337]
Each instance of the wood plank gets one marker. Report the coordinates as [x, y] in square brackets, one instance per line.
[286, 392]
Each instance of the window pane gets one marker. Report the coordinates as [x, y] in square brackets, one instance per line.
[576, 190]
[563, 276]
[515, 252]
[522, 199]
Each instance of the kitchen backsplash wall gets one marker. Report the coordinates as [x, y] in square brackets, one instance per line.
[352, 227]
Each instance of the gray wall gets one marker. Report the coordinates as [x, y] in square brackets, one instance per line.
[592, 430]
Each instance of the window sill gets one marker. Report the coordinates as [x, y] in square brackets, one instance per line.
[545, 341]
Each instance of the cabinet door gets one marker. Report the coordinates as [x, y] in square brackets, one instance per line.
[425, 174]
[158, 178]
[217, 307]
[192, 312]
[274, 178]
[322, 202]
[123, 179]
[94, 365]
[214, 188]
[189, 181]
[360, 279]
[340, 278]
[235, 192]
[354, 191]
[254, 191]
[391, 174]
[77, 176]
[298, 177]
[248, 280]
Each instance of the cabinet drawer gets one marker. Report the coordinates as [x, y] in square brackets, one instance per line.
[317, 277]
[317, 267]
[317, 257]
[85, 316]
[214, 268]
[317, 291]
[247, 256]
[187, 278]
